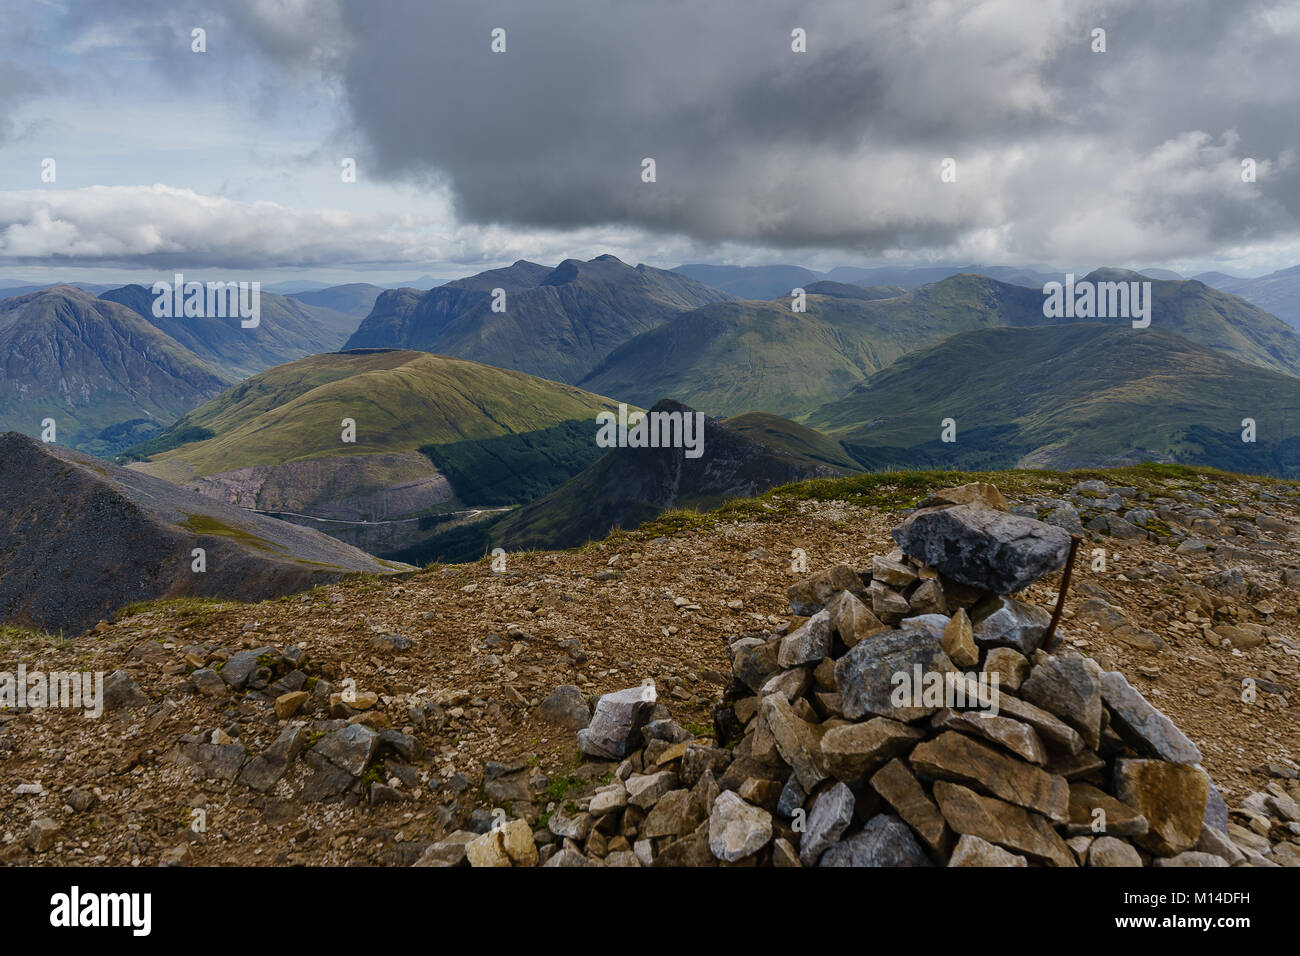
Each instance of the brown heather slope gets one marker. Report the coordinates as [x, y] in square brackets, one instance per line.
[661, 603]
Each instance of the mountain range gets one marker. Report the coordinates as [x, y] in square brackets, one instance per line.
[557, 323]
[288, 330]
[474, 402]
[108, 378]
[1066, 396]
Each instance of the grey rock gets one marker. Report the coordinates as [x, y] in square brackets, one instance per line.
[208, 682]
[1141, 726]
[884, 841]
[1006, 622]
[984, 548]
[615, 728]
[567, 707]
[1070, 688]
[808, 643]
[120, 692]
[350, 749]
[864, 675]
[831, 815]
[737, 829]
[242, 664]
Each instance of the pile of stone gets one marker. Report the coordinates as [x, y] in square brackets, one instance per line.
[909, 715]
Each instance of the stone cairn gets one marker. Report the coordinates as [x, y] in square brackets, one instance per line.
[909, 715]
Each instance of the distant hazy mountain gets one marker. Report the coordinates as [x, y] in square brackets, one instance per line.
[558, 323]
[629, 486]
[355, 299]
[293, 286]
[1067, 396]
[847, 290]
[751, 282]
[762, 356]
[1278, 292]
[912, 277]
[7, 292]
[108, 378]
[432, 434]
[81, 538]
[425, 282]
[289, 329]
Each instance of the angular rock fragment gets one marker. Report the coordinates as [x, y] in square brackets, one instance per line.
[984, 548]
[1171, 796]
[869, 675]
[885, 840]
[1144, 728]
[810, 595]
[1002, 823]
[901, 790]
[956, 757]
[615, 729]
[1006, 622]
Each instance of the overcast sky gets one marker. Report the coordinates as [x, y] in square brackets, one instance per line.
[468, 159]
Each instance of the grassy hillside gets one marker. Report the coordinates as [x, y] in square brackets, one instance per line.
[401, 401]
[736, 357]
[1069, 396]
[743, 356]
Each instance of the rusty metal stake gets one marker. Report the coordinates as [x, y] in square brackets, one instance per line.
[1050, 635]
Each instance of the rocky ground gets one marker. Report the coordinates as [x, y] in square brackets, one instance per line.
[382, 721]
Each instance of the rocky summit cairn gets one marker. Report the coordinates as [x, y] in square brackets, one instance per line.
[910, 716]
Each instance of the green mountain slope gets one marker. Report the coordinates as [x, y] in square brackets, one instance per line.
[736, 357]
[783, 435]
[1084, 394]
[434, 435]
[628, 486]
[557, 325]
[741, 356]
[288, 330]
[108, 378]
[400, 401]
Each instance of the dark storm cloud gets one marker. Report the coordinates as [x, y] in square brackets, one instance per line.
[1061, 152]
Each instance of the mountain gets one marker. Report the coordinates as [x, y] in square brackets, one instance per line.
[751, 282]
[847, 290]
[558, 323]
[355, 299]
[288, 330]
[1082, 394]
[409, 318]
[800, 441]
[912, 277]
[81, 538]
[629, 486]
[1278, 292]
[294, 286]
[433, 434]
[736, 357]
[762, 356]
[108, 378]
[424, 283]
[8, 292]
